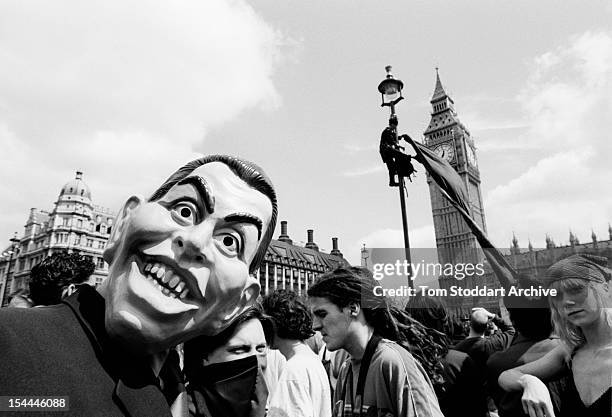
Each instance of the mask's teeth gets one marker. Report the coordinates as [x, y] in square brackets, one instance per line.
[179, 287]
[166, 278]
[184, 293]
[161, 272]
[173, 295]
[175, 280]
[154, 269]
[166, 291]
[148, 267]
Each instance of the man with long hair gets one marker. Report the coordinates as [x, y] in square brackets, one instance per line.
[381, 376]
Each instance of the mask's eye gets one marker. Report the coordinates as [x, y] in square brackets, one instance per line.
[185, 213]
[229, 243]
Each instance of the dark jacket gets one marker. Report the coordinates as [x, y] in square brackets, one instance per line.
[462, 394]
[480, 348]
[63, 350]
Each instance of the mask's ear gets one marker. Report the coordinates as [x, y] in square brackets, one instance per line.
[247, 298]
[119, 226]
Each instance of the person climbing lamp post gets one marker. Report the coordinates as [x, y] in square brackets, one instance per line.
[391, 92]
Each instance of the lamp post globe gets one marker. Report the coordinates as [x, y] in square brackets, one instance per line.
[390, 90]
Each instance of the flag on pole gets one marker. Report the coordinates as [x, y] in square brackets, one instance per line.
[452, 187]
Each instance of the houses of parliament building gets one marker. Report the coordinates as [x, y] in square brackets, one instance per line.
[449, 138]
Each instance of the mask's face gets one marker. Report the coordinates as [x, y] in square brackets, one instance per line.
[333, 322]
[179, 266]
[248, 339]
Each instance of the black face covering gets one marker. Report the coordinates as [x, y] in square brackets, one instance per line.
[227, 388]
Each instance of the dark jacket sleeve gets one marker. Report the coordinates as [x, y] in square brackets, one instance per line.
[500, 340]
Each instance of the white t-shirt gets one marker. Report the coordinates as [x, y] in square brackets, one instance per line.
[303, 388]
[274, 369]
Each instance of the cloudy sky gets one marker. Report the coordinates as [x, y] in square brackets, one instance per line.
[127, 91]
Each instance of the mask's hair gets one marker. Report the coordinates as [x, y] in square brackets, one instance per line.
[247, 171]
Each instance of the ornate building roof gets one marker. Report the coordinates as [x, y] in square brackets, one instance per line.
[76, 189]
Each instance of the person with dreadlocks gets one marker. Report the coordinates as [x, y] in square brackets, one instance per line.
[381, 377]
[582, 317]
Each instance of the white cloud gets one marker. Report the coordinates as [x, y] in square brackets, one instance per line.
[365, 171]
[353, 148]
[420, 237]
[121, 90]
[568, 102]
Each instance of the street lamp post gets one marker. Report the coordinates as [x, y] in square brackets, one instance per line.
[7, 284]
[391, 92]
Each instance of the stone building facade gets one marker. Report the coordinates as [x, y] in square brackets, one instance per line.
[76, 224]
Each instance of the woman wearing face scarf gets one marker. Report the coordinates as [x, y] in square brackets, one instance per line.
[224, 372]
[582, 316]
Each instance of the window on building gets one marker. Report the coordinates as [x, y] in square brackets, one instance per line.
[101, 244]
[89, 243]
[80, 223]
[66, 221]
[108, 231]
[77, 240]
[97, 228]
[100, 263]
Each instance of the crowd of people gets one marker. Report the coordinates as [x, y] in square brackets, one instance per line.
[179, 327]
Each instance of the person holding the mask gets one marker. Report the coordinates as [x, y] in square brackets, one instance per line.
[225, 371]
[181, 265]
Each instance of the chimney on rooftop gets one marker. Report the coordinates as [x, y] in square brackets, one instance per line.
[335, 250]
[310, 244]
[284, 237]
[79, 175]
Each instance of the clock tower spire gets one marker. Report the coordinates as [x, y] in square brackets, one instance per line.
[449, 138]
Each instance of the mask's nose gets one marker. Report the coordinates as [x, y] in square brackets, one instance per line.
[193, 245]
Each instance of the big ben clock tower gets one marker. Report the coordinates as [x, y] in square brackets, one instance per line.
[450, 139]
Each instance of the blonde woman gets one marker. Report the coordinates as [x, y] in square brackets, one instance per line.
[582, 316]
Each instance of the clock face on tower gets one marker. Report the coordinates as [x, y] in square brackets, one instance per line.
[471, 155]
[446, 151]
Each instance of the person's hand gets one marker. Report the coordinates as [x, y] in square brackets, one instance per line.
[484, 310]
[536, 398]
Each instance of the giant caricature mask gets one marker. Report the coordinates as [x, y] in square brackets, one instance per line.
[179, 266]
